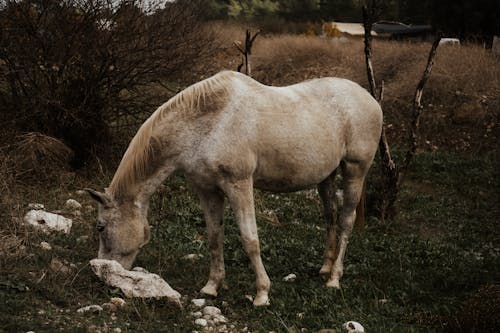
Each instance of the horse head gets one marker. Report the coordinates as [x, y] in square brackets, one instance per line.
[123, 228]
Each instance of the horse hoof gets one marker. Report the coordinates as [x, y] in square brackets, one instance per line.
[209, 290]
[333, 283]
[261, 300]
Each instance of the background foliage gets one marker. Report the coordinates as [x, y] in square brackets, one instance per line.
[462, 18]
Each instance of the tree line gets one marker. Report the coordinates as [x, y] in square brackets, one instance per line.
[460, 18]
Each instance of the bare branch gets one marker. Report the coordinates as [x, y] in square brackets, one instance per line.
[417, 105]
[247, 51]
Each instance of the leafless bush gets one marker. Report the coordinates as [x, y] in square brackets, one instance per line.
[39, 155]
[71, 68]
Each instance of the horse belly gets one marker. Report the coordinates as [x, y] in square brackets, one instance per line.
[295, 168]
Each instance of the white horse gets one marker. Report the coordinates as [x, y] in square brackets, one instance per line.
[229, 134]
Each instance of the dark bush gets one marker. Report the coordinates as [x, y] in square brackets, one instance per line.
[71, 68]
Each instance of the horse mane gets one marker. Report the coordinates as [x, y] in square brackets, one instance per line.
[140, 159]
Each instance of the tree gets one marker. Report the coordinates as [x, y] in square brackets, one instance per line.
[70, 68]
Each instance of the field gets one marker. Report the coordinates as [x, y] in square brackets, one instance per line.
[433, 267]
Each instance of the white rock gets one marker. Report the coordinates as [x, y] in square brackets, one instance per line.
[139, 269]
[197, 314]
[47, 222]
[220, 318]
[72, 204]
[201, 322]
[45, 246]
[133, 283]
[353, 327]
[211, 311]
[90, 308]
[199, 302]
[193, 256]
[37, 206]
[290, 277]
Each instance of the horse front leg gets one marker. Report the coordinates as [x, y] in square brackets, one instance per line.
[326, 190]
[353, 175]
[212, 204]
[240, 195]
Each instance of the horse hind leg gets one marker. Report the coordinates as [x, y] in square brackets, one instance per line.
[212, 204]
[353, 174]
[326, 190]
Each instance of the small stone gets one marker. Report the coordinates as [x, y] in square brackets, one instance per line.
[90, 308]
[59, 266]
[211, 310]
[199, 302]
[45, 246]
[197, 314]
[201, 322]
[140, 269]
[192, 257]
[72, 204]
[119, 302]
[290, 277]
[36, 206]
[353, 327]
[220, 318]
[117, 330]
[81, 192]
[47, 222]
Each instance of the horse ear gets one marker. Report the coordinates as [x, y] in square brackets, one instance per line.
[100, 197]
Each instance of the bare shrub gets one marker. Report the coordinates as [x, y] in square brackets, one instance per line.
[38, 155]
[73, 68]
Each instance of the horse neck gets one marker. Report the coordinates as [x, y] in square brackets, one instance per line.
[148, 187]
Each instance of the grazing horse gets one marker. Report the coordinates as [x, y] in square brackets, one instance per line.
[228, 134]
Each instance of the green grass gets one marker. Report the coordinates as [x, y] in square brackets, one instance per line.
[409, 275]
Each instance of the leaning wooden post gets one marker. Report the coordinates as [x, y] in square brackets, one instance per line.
[247, 51]
[390, 172]
[418, 108]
